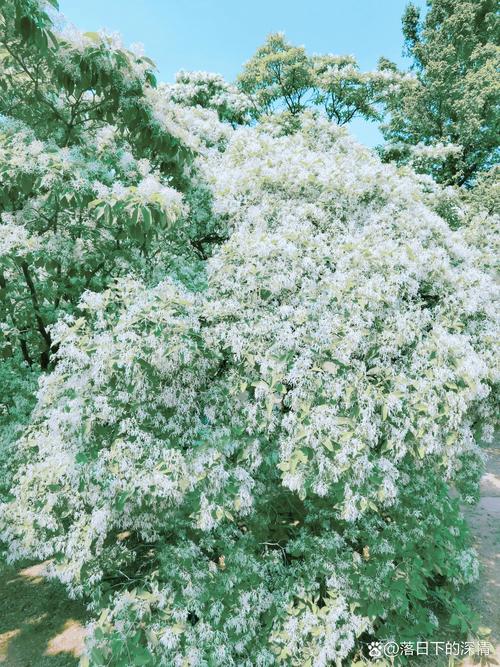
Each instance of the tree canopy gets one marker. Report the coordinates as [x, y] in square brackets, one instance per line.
[448, 111]
[246, 360]
[281, 76]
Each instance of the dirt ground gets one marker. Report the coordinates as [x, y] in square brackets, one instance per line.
[484, 520]
[40, 627]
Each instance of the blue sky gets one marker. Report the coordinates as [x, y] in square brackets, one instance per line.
[220, 35]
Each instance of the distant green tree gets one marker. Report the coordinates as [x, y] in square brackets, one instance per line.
[449, 108]
[345, 92]
[278, 75]
[283, 77]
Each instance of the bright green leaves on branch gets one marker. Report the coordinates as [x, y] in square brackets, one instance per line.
[445, 117]
[281, 76]
[278, 74]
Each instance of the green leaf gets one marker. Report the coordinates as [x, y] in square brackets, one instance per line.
[146, 217]
[327, 443]
[93, 36]
[141, 656]
[97, 657]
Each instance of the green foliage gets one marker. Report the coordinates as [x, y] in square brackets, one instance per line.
[17, 399]
[77, 117]
[62, 88]
[262, 360]
[61, 237]
[451, 102]
[284, 77]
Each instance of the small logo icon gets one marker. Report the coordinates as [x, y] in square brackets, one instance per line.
[375, 650]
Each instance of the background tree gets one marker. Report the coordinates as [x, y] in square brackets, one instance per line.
[344, 91]
[210, 91]
[278, 76]
[63, 83]
[448, 111]
[76, 118]
[283, 77]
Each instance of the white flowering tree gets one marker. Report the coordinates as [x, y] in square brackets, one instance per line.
[80, 149]
[210, 91]
[90, 171]
[244, 449]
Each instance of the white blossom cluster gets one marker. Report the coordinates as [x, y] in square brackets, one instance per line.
[197, 127]
[103, 171]
[108, 45]
[260, 463]
[354, 309]
[207, 90]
